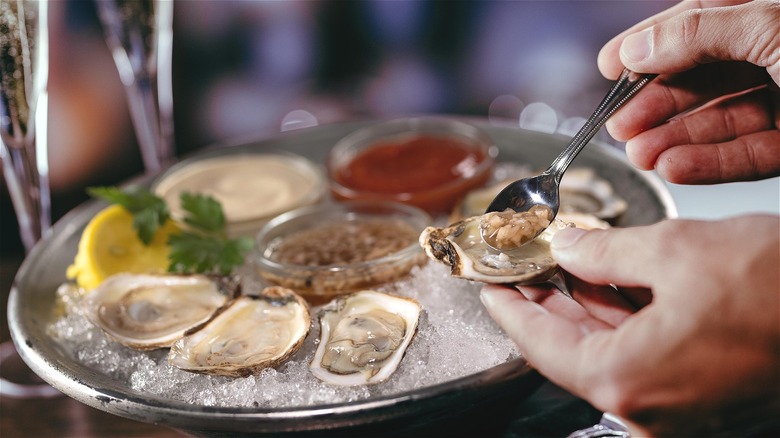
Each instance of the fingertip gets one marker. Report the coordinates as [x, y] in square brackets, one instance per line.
[566, 238]
[489, 295]
[495, 297]
[616, 128]
[563, 246]
[637, 154]
[584, 253]
[608, 60]
[506, 306]
[636, 49]
[667, 169]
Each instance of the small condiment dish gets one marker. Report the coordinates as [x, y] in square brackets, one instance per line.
[251, 187]
[427, 162]
[329, 249]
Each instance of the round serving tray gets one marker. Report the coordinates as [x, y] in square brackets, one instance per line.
[31, 309]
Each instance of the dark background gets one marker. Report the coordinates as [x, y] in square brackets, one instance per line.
[245, 68]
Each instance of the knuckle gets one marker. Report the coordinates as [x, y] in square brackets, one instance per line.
[766, 49]
[689, 26]
[752, 162]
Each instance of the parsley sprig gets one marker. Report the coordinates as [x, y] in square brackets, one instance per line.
[149, 211]
[201, 247]
[206, 248]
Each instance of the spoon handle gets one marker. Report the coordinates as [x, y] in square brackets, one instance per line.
[621, 92]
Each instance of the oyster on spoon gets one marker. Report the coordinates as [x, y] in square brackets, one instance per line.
[583, 192]
[544, 189]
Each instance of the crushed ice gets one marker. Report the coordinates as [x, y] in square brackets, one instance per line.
[456, 338]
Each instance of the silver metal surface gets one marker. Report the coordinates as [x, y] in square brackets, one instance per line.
[610, 426]
[31, 309]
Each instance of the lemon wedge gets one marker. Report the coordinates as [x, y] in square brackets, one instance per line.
[110, 244]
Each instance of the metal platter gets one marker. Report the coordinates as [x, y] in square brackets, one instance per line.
[31, 309]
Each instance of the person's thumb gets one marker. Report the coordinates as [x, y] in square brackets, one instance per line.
[615, 256]
[747, 32]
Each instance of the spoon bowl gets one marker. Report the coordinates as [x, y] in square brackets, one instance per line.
[524, 193]
[544, 189]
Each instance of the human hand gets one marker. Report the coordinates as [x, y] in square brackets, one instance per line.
[680, 124]
[689, 343]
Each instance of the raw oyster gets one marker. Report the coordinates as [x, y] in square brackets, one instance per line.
[146, 312]
[363, 337]
[581, 191]
[250, 333]
[510, 229]
[461, 247]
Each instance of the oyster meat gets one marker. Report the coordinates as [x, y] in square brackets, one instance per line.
[363, 337]
[510, 229]
[582, 191]
[248, 334]
[461, 247]
[146, 312]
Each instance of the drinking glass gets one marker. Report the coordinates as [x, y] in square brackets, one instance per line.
[139, 34]
[24, 67]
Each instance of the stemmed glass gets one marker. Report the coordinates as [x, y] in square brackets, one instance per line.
[140, 36]
[24, 68]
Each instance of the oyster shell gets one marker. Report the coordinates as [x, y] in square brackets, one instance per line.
[461, 247]
[581, 191]
[146, 312]
[248, 334]
[363, 337]
[584, 220]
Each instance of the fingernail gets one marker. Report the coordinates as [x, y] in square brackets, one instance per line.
[487, 297]
[566, 238]
[637, 47]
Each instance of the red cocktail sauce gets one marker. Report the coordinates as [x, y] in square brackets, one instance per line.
[431, 172]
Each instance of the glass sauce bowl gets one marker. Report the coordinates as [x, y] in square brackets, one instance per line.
[429, 163]
[322, 251]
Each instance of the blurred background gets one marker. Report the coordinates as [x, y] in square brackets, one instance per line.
[250, 68]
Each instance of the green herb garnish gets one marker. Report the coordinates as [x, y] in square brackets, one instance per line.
[203, 247]
[149, 211]
[192, 252]
[204, 213]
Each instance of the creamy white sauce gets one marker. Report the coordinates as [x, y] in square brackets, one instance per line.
[249, 186]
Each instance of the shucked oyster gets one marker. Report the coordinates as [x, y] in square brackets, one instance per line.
[152, 311]
[581, 192]
[509, 229]
[461, 247]
[250, 333]
[363, 337]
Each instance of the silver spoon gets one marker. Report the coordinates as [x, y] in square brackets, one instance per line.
[543, 189]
